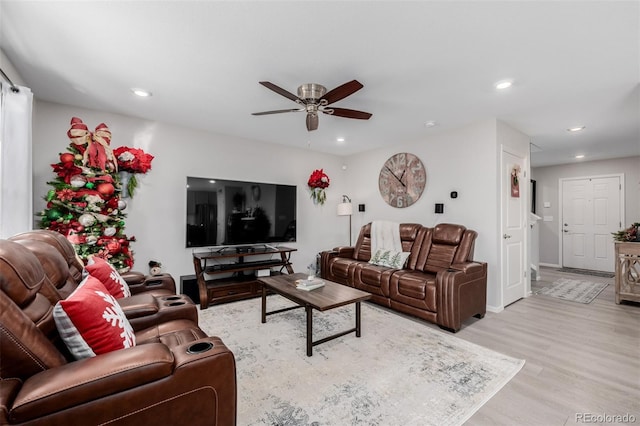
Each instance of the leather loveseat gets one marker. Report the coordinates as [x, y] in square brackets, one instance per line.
[175, 373]
[440, 282]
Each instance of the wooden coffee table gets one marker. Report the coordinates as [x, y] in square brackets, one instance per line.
[332, 295]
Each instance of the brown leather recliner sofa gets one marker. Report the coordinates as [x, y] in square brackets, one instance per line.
[158, 285]
[175, 374]
[440, 281]
[148, 305]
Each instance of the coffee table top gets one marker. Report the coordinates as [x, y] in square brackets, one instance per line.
[331, 295]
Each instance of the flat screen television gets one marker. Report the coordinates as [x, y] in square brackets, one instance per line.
[223, 212]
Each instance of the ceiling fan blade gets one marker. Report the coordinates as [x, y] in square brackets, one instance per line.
[281, 91]
[348, 113]
[277, 111]
[342, 92]
[312, 122]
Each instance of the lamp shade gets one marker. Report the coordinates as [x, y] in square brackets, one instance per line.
[345, 209]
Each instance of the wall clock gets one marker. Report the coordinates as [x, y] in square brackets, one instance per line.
[402, 180]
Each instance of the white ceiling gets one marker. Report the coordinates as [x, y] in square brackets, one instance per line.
[573, 63]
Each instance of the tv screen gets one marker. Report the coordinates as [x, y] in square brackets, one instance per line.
[224, 212]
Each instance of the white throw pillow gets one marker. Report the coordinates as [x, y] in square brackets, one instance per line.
[390, 258]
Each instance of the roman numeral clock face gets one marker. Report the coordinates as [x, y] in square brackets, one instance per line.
[402, 180]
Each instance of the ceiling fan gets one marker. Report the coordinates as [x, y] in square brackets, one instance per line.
[314, 98]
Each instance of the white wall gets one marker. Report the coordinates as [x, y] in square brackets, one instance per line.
[547, 188]
[464, 160]
[157, 213]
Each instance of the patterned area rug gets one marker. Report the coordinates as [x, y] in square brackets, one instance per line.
[400, 372]
[574, 290]
[587, 272]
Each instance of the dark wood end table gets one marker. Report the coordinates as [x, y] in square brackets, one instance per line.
[331, 295]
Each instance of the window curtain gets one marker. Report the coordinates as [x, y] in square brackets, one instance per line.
[16, 189]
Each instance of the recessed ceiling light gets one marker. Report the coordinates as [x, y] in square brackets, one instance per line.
[580, 156]
[430, 123]
[340, 139]
[575, 129]
[504, 84]
[141, 92]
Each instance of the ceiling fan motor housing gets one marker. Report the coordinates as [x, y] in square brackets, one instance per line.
[311, 91]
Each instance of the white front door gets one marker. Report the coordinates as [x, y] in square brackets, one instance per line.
[591, 211]
[514, 226]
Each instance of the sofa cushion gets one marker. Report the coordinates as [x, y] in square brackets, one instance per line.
[390, 258]
[416, 289]
[105, 272]
[91, 322]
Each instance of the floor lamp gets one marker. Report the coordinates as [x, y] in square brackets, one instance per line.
[345, 208]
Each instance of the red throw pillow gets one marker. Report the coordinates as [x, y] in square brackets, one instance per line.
[105, 272]
[91, 322]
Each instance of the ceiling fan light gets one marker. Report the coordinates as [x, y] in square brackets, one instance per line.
[311, 91]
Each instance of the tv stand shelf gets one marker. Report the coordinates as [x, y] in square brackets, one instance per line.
[238, 262]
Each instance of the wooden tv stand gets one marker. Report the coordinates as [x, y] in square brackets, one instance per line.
[236, 261]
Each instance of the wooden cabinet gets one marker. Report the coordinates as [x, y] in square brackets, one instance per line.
[229, 274]
[627, 271]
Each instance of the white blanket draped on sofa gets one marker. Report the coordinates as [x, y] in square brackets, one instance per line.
[385, 235]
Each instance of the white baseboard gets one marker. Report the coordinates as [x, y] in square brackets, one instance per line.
[495, 309]
[550, 265]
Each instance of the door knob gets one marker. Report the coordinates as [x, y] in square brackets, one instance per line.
[505, 236]
[566, 224]
[565, 230]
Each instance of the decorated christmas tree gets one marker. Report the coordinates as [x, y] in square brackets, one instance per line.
[87, 201]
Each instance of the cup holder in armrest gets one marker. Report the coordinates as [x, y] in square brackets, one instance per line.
[172, 298]
[200, 347]
[177, 303]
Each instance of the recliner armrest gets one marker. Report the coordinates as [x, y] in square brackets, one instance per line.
[163, 282]
[138, 305]
[89, 379]
[461, 292]
[344, 251]
[467, 267]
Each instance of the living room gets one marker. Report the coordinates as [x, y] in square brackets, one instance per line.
[458, 155]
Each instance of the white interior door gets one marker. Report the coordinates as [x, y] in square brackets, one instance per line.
[514, 226]
[591, 211]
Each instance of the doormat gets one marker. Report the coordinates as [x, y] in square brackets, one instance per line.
[574, 290]
[587, 272]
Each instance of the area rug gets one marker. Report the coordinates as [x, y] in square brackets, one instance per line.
[400, 372]
[587, 272]
[574, 290]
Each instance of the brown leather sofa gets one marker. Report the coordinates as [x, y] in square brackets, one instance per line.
[175, 374]
[159, 285]
[440, 281]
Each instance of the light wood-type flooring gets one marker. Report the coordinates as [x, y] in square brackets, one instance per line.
[582, 360]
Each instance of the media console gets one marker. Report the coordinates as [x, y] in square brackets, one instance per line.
[242, 284]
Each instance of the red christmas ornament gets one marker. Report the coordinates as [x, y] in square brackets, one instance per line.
[113, 246]
[67, 157]
[106, 189]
